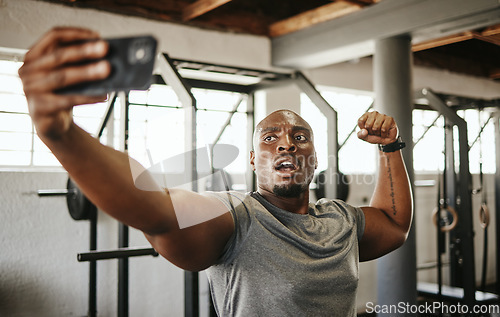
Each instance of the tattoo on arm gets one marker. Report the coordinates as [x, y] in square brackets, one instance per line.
[391, 183]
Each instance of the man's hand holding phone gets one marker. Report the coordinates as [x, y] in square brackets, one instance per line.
[51, 65]
[73, 66]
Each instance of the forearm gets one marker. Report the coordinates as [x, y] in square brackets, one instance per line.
[104, 175]
[393, 192]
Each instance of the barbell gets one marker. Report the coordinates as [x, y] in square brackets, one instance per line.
[79, 206]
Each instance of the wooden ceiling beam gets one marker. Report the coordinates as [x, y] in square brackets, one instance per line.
[495, 73]
[491, 30]
[363, 2]
[487, 35]
[490, 39]
[308, 18]
[464, 36]
[201, 7]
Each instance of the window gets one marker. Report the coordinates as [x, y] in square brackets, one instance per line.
[355, 156]
[156, 124]
[483, 148]
[19, 144]
[428, 134]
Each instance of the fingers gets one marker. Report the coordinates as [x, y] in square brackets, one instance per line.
[60, 56]
[60, 59]
[53, 64]
[377, 128]
[50, 63]
[56, 37]
[50, 80]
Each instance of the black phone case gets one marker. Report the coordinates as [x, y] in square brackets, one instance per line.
[132, 60]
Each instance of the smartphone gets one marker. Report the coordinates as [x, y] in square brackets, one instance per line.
[132, 61]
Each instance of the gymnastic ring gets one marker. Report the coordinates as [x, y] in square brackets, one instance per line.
[454, 214]
[484, 216]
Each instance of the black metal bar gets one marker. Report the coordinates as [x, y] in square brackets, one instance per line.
[205, 84]
[191, 296]
[115, 254]
[464, 103]
[450, 199]
[109, 111]
[93, 267]
[480, 132]
[497, 198]
[462, 237]
[183, 90]
[226, 69]
[52, 192]
[251, 178]
[123, 238]
[426, 130]
[228, 121]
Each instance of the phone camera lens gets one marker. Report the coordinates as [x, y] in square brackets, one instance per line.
[140, 53]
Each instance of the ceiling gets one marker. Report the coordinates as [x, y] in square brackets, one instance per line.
[474, 52]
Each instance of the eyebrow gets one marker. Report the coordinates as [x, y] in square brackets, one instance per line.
[294, 129]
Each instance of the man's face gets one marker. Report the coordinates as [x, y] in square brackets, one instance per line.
[284, 158]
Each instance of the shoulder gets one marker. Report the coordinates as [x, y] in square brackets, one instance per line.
[242, 206]
[339, 208]
[336, 205]
[233, 200]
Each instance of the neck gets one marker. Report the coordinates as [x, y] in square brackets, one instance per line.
[298, 205]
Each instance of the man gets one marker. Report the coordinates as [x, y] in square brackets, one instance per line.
[273, 254]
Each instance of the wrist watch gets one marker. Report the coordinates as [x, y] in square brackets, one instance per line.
[392, 147]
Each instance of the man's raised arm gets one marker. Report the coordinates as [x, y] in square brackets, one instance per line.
[101, 172]
[389, 216]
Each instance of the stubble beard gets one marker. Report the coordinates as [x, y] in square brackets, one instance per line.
[290, 191]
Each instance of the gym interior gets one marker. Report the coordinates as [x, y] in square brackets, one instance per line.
[434, 65]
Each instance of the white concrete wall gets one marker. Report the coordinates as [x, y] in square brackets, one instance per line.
[39, 274]
[39, 271]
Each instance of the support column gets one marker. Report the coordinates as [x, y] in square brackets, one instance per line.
[396, 272]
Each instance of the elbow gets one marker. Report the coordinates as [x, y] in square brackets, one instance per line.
[402, 234]
[399, 240]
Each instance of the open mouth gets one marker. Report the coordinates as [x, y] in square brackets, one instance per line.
[285, 165]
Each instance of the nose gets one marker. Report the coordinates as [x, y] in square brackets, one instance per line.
[286, 145]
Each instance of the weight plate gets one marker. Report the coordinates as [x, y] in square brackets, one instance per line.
[342, 186]
[79, 207]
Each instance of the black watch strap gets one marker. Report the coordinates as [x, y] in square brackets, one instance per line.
[392, 147]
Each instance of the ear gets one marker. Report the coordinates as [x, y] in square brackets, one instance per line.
[252, 160]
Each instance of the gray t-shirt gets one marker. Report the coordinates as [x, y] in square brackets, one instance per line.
[279, 263]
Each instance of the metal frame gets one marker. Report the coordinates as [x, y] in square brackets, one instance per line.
[182, 88]
[123, 230]
[496, 118]
[332, 125]
[460, 198]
